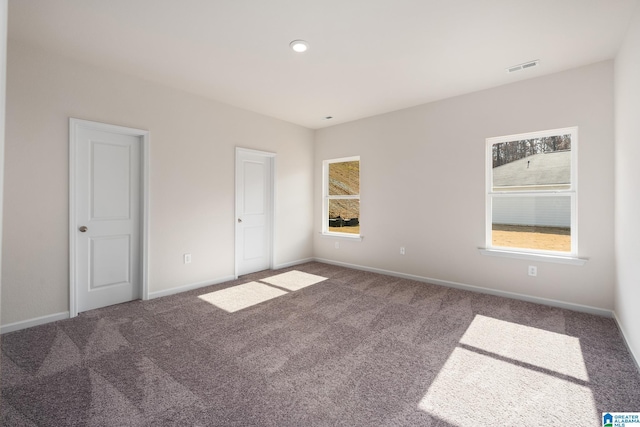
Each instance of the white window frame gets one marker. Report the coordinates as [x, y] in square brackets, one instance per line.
[326, 197]
[552, 256]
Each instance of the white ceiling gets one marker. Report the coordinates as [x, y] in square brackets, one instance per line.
[366, 57]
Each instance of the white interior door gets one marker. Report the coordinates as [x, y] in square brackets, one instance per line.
[106, 231]
[254, 198]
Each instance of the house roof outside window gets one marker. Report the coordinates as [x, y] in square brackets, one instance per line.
[544, 171]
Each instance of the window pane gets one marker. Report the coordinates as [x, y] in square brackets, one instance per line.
[344, 178]
[532, 164]
[344, 216]
[532, 222]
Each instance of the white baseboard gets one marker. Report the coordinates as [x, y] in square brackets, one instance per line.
[479, 289]
[292, 263]
[24, 324]
[16, 326]
[190, 287]
[626, 341]
[11, 327]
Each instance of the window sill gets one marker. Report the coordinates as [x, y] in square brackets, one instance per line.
[558, 259]
[346, 236]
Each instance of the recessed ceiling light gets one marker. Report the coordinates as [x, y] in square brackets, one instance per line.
[299, 46]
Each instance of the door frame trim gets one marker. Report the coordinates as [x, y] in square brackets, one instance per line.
[271, 208]
[143, 135]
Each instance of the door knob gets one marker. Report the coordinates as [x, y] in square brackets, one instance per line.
[83, 229]
[239, 220]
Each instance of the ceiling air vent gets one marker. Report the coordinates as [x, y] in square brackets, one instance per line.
[524, 66]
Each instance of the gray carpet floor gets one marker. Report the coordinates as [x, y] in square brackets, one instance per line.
[319, 345]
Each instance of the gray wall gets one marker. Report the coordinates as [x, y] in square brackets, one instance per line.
[426, 166]
[3, 75]
[627, 190]
[192, 146]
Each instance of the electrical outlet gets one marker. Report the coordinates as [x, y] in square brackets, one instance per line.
[533, 270]
[187, 258]
[337, 245]
[401, 250]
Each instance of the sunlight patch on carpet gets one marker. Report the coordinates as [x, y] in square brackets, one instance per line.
[549, 350]
[474, 389]
[294, 280]
[242, 296]
[514, 374]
